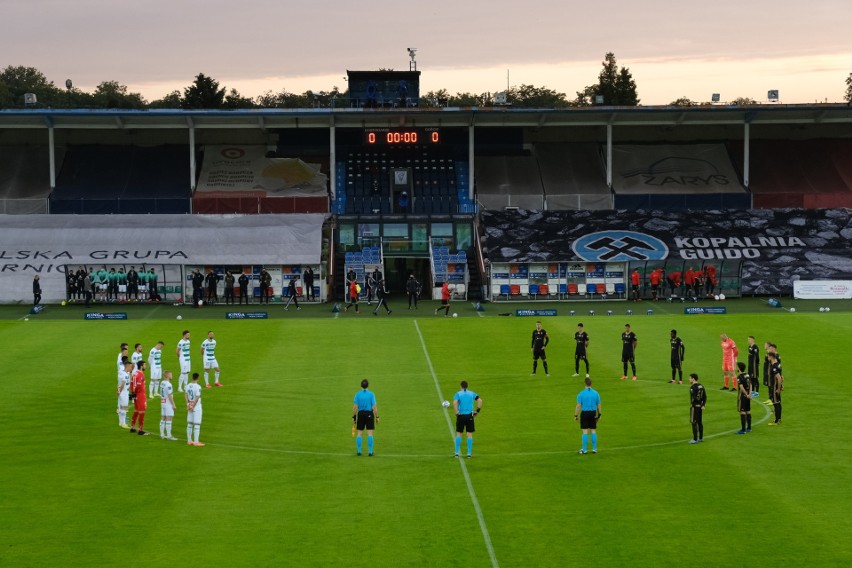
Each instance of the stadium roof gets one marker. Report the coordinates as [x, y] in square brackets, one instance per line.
[451, 116]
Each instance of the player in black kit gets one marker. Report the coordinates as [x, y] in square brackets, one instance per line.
[776, 385]
[628, 350]
[539, 342]
[678, 351]
[697, 401]
[581, 338]
[744, 383]
[754, 363]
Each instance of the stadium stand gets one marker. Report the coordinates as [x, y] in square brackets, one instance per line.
[676, 177]
[450, 267]
[357, 260]
[364, 182]
[573, 175]
[248, 179]
[811, 174]
[509, 181]
[100, 179]
[25, 178]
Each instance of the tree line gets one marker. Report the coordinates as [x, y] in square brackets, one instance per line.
[614, 87]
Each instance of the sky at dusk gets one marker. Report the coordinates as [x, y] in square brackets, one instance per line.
[690, 49]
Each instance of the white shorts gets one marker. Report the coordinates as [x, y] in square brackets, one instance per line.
[211, 364]
[194, 417]
[185, 367]
[143, 288]
[122, 288]
[124, 398]
[156, 374]
[102, 287]
[166, 410]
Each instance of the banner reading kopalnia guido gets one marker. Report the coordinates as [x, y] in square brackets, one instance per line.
[776, 246]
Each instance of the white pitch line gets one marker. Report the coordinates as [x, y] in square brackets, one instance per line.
[470, 490]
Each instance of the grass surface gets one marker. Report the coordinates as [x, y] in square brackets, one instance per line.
[279, 484]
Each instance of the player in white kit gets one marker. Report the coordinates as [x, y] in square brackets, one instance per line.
[193, 412]
[208, 352]
[137, 355]
[124, 393]
[155, 364]
[167, 407]
[122, 354]
[183, 354]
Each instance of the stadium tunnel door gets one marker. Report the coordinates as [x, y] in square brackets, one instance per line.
[398, 268]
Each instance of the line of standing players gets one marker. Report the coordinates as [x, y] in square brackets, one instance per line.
[746, 381]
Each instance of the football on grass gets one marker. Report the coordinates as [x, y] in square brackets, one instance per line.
[446, 404]
[455, 315]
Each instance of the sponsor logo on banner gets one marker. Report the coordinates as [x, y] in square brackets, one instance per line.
[246, 315]
[614, 246]
[680, 171]
[822, 289]
[699, 310]
[105, 316]
[731, 248]
[535, 313]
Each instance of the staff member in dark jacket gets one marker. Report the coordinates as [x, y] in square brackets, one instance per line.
[36, 291]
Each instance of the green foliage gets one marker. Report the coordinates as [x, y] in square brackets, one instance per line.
[203, 93]
[173, 100]
[615, 84]
[683, 102]
[848, 96]
[744, 101]
[20, 80]
[234, 100]
[530, 96]
[111, 94]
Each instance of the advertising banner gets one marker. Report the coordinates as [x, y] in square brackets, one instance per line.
[822, 289]
[775, 246]
[47, 244]
[247, 168]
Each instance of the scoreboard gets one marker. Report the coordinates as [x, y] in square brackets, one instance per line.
[402, 136]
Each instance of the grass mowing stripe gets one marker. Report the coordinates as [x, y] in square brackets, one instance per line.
[467, 480]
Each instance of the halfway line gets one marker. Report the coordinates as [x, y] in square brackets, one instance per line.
[467, 480]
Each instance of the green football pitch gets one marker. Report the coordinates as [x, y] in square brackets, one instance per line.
[279, 484]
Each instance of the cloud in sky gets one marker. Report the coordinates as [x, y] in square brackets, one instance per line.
[463, 46]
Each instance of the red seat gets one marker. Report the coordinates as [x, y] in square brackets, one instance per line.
[543, 289]
[601, 289]
[515, 290]
[572, 289]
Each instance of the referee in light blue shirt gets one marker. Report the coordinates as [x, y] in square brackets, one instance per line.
[365, 414]
[588, 412]
[467, 405]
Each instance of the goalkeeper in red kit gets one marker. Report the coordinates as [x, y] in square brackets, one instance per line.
[140, 400]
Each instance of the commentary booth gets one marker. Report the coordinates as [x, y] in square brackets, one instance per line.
[171, 245]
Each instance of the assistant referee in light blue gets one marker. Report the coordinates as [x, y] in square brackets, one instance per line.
[365, 414]
[588, 412]
[467, 405]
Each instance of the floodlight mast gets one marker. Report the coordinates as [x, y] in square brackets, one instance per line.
[412, 53]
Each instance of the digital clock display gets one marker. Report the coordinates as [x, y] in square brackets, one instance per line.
[402, 136]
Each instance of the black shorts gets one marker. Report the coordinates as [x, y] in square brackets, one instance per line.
[588, 420]
[580, 356]
[366, 420]
[627, 357]
[675, 363]
[775, 397]
[539, 354]
[465, 422]
[744, 404]
[696, 414]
